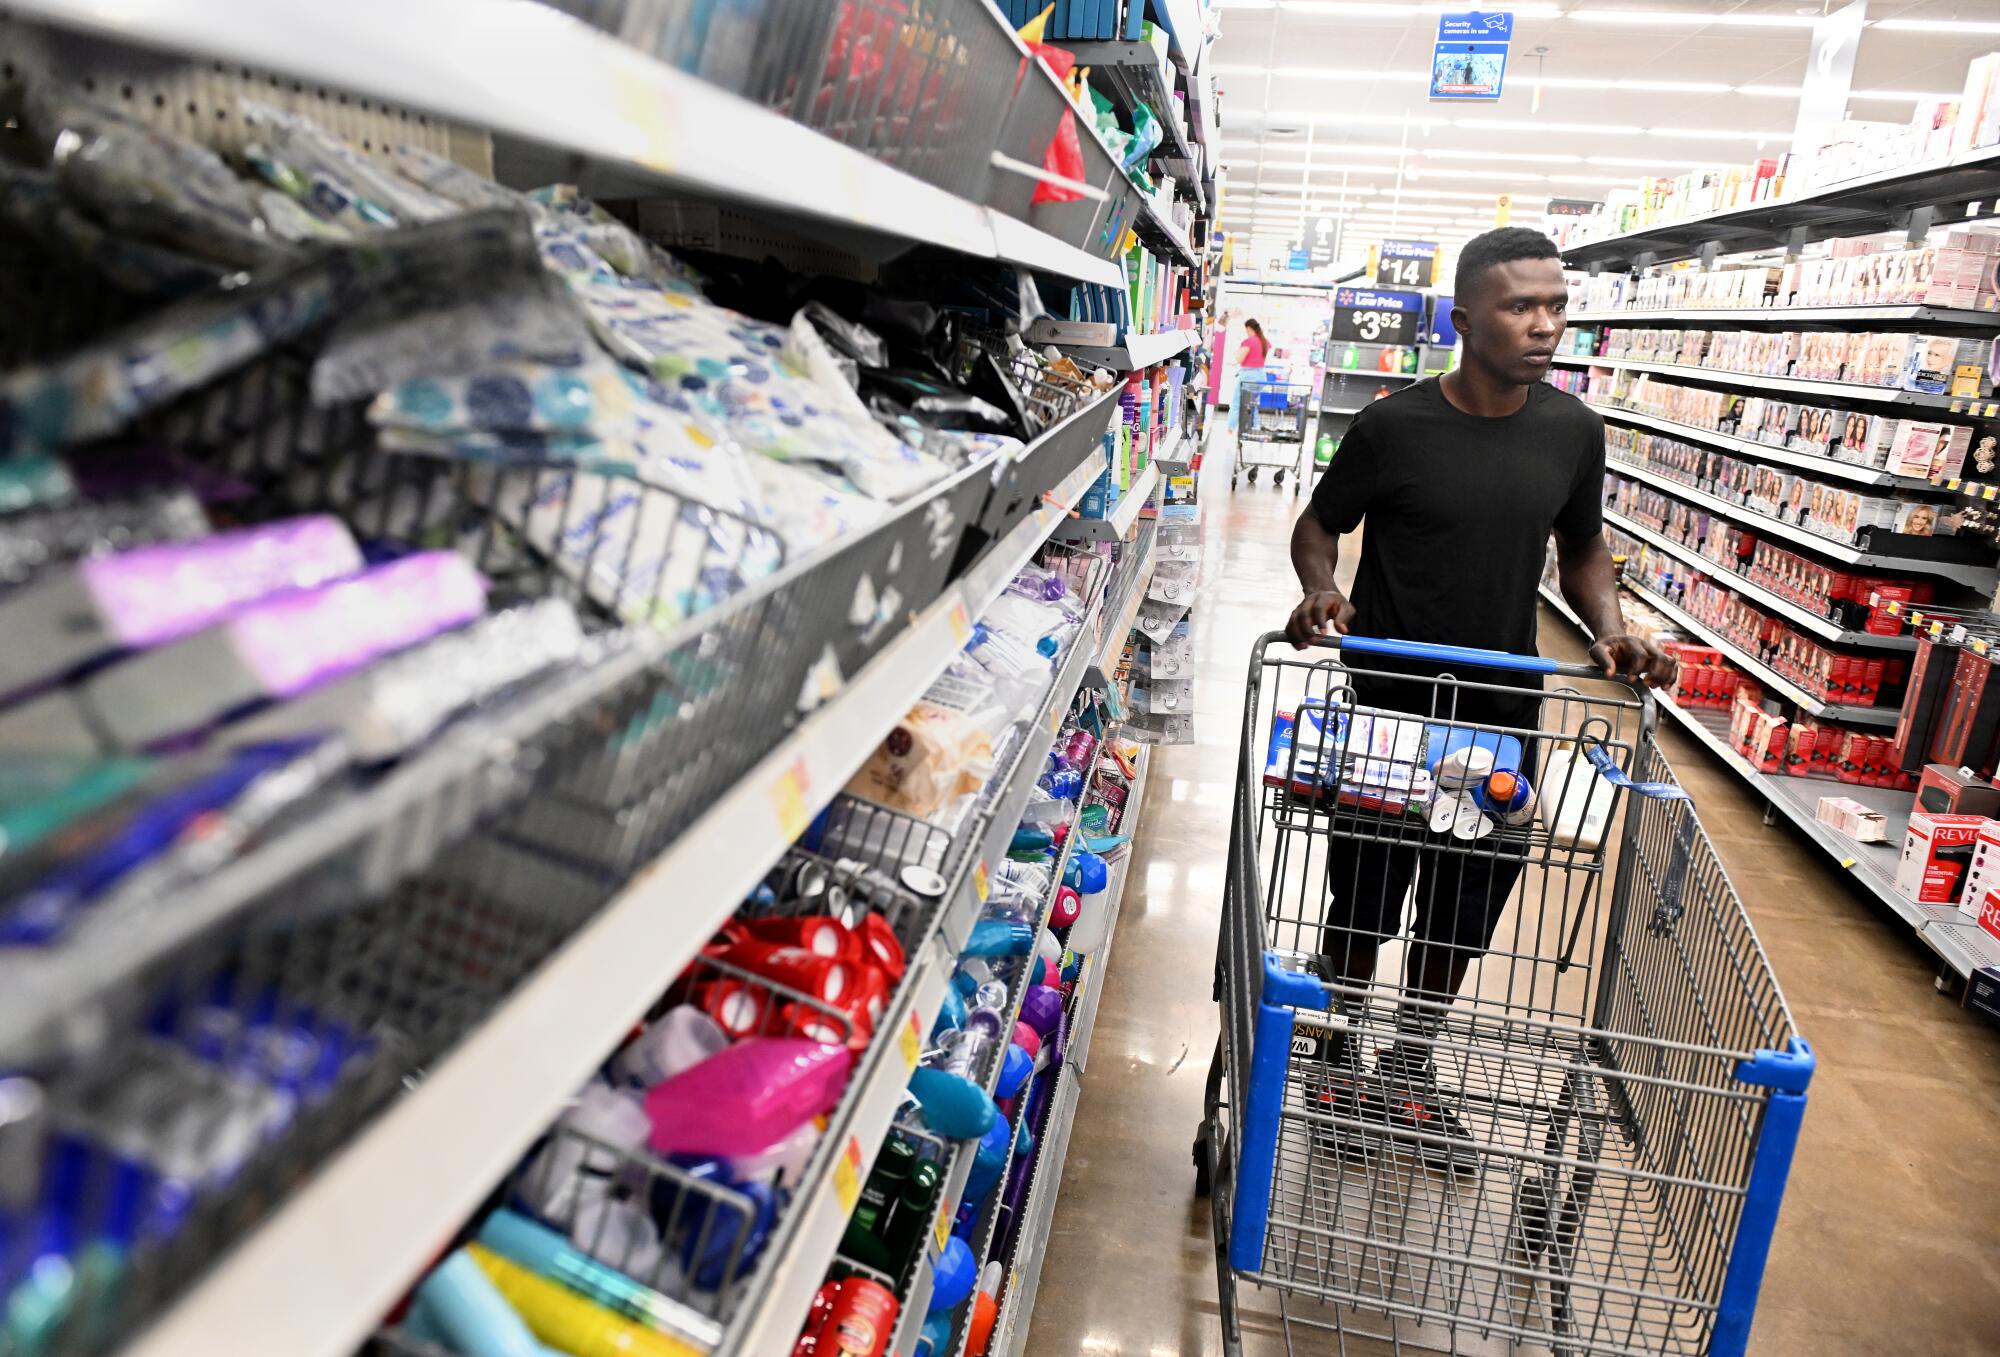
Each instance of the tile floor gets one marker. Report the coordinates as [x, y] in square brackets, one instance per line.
[1889, 1242]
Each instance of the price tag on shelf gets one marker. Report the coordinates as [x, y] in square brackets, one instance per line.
[1055, 719]
[912, 1043]
[643, 103]
[980, 885]
[1366, 316]
[961, 625]
[847, 1175]
[941, 1230]
[791, 799]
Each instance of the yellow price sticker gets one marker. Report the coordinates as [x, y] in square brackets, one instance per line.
[847, 1175]
[790, 799]
[913, 1043]
[643, 103]
[941, 1230]
[980, 884]
[1847, 862]
[961, 625]
[1055, 719]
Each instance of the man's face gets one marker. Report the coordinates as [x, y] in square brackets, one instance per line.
[1513, 319]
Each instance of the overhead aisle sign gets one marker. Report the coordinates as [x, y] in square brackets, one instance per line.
[1470, 59]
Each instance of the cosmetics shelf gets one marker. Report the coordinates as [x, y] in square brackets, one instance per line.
[1091, 989]
[347, 1242]
[1121, 608]
[1119, 524]
[1766, 452]
[1960, 944]
[542, 81]
[1138, 351]
[774, 1308]
[1976, 576]
[1823, 627]
[1877, 202]
[1134, 74]
[1763, 673]
[1803, 317]
[1163, 237]
[1750, 381]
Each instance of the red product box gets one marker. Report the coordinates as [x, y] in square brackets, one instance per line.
[1873, 673]
[1937, 850]
[1799, 751]
[1989, 913]
[1826, 753]
[1847, 763]
[1944, 790]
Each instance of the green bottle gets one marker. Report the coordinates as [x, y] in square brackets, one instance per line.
[1323, 450]
[1350, 358]
[1409, 360]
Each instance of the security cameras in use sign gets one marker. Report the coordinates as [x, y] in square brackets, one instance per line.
[1470, 58]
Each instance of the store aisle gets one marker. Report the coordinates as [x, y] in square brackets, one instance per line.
[1889, 1243]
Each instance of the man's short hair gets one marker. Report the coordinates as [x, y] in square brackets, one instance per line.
[1502, 246]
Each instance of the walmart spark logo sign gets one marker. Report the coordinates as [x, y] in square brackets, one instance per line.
[1470, 59]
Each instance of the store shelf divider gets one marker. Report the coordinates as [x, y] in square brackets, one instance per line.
[1750, 447]
[1114, 528]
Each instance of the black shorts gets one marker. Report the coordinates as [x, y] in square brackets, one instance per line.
[1460, 895]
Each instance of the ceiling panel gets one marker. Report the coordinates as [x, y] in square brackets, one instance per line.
[1313, 93]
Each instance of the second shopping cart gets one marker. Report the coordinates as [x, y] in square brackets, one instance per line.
[1579, 1150]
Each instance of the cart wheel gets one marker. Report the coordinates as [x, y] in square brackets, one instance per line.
[1204, 1174]
[1232, 482]
[1278, 478]
[1253, 475]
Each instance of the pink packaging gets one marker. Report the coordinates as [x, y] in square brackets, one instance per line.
[747, 1098]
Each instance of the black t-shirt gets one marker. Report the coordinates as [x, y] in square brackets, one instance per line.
[1459, 510]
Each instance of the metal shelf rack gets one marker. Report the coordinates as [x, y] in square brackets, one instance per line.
[1767, 452]
[1138, 351]
[1833, 317]
[1975, 576]
[1753, 382]
[1824, 627]
[1119, 524]
[1960, 944]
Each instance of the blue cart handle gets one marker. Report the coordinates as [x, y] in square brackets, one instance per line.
[1464, 655]
[1436, 654]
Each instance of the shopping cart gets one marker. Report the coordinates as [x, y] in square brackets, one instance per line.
[1271, 431]
[1583, 1148]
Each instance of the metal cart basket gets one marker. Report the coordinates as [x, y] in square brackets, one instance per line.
[1271, 431]
[1559, 1117]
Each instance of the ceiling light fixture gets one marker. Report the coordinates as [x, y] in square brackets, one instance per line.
[1937, 25]
[1537, 125]
[1578, 82]
[1716, 134]
[1522, 157]
[1674, 18]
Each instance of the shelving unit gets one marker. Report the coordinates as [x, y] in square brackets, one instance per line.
[1119, 524]
[1803, 317]
[533, 75]
[1138, 351]
[1823, 627]
[1959, 943]
[1767, 452]
[1975, 576]
[1848, 208]
[1763, 673]
[328, 1249]
[1756, 383]
[345, 1246]
[1132, 73]
[1010, 1332]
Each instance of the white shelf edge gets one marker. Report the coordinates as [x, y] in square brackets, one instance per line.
[1010, 1330]
[1915, 312]
[529, 72]
[1977, 157]
[1750, 447]
[1763, 673]
[318, 1274]
[1122, 518]
[1086, 1018]
[1806, 386]
[1823, 627]
[1137, 352]
[1977, 577]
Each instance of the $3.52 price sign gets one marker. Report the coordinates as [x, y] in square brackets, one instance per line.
[1370, 317]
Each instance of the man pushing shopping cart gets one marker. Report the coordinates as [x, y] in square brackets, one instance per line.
[1460, 481]
[1580, 1145]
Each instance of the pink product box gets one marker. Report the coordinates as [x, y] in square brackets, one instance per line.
[283, 646]
[129, 600]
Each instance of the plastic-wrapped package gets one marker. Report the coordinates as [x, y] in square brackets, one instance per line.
[1017, 670]
[593, 396]
[289, 220]
[148, 184]
[322, 160]
[574, 217]
[732, 368]
[31, 201]
[942, 750]
[451, 181]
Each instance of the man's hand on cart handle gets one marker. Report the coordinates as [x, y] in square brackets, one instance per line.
[1317, 613]
[1635, 657]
